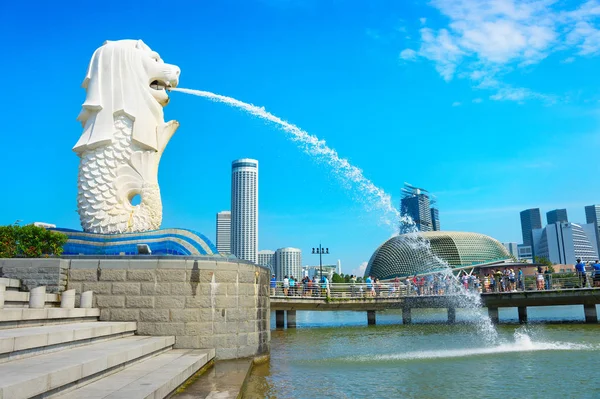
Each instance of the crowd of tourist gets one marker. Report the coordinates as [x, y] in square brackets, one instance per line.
[496, 280]
[305, 287]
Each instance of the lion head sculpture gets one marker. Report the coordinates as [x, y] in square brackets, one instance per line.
[125, 76]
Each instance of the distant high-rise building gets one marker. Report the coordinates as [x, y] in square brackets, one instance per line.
[592, 215]
[556, 216]
[266, 258]
[224, 232]
[416, 203]
[512, 248]
[530, 219]
[525, 253]
[244, 209]
[563, 243]
[288, 262]
[435, 219]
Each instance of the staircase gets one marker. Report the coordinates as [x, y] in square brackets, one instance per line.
[54, 352]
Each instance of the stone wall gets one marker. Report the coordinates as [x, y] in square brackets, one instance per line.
[203, 303]
[51, 272]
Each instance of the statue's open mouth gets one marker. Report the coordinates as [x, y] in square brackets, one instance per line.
[159, 85]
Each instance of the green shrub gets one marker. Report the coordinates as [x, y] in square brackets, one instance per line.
[30, 242]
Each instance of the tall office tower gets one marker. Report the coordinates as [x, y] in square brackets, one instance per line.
[592, 215]
[224, 232]
[266, 258]
[530, 219]
[415, 204]
[288, 262]
[557, 216]
[435, 219]
[244, 209]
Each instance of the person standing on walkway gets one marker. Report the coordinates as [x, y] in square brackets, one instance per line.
[539, 278]
[369, 285]
[273, 284]
[353, 284]
[548, 278]
[286, 286]
[596, 267]
[580, 268]
[520, 280]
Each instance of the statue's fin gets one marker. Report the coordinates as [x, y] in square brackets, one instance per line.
[131, 177]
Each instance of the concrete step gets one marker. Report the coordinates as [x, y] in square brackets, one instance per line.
[25, 317]
[11, 284]
[19, 343]
[55, 372]
[153, 378]
[16, 299]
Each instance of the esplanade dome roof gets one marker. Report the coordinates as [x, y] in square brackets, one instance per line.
[416, 253]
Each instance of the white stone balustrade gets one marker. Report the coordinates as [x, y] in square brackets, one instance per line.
[67, 299]
[37, 297]
[86, 299]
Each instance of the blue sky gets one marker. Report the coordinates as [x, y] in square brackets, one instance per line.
[491, 105]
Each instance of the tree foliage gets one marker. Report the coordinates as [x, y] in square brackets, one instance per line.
[30, 242]
[543, 261]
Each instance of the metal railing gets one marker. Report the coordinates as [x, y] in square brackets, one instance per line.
[404, 288]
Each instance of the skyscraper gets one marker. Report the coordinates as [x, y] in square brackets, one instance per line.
[592, 215]
[563, 243]
[244, 209]
[530, 219]
[435, 219]
[266, 258]
[224, 232]
[556, 216]
[512, 248]
[288, 262]
[416, 203]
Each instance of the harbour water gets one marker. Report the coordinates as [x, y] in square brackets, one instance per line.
[336, 355]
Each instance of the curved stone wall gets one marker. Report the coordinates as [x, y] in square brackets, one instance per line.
[203, 302]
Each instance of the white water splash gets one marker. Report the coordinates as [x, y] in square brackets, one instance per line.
[522, 343]
[368, 192]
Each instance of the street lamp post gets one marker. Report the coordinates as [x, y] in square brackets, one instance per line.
[320, 251]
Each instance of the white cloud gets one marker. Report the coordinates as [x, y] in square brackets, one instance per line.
[485, 39]
[408, 54]
[520, 94]
[477, 100]
[423, 20]
[456, 104]
[568, 60]
[360, 270]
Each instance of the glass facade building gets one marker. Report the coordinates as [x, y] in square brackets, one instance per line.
[557, 216]
[224, 232]
[592, 215]
[410, 254]
[530, 219]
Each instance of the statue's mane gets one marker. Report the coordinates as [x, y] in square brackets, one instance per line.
[116, 82]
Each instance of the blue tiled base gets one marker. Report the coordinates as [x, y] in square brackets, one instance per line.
[161, 242]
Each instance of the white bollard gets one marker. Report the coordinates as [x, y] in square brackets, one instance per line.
[2, 290]
[86, 300]
[67, 299]
[37, 297]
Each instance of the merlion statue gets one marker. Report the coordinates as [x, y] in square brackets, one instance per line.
[124, 136]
